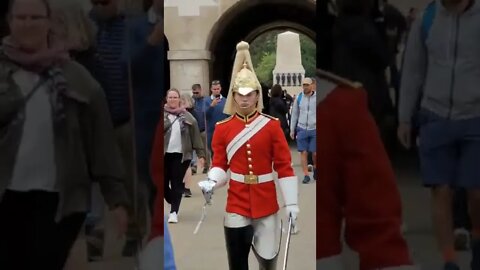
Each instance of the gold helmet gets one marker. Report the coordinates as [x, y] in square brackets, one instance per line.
[244, 80]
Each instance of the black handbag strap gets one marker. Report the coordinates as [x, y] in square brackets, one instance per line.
[171, 124]
[37, 86]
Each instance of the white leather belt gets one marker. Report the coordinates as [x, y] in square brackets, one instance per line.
[251, 179]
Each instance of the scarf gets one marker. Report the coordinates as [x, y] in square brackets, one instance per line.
[37, 62]
[47, 64]
[179, 113]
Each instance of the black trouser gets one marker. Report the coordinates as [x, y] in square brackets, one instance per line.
[239, 242]
[310, 158]
[461, 217]
[29, 236]
[175, 171]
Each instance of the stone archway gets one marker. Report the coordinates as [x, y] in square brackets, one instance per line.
[202, 34]
[246, 20]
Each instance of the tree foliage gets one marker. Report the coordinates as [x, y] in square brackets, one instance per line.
[265, 67]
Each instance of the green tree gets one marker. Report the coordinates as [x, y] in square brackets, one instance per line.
[265, 68]
[265, 43]
[309, 57]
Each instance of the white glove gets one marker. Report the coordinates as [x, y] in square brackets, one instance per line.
[216, 178]
[289, 188]
[207, 187]
[218, 175]
[292, 210]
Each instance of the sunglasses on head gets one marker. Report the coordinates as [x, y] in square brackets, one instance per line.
[215, 82]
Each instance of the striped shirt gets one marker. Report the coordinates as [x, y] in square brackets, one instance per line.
[110, 70]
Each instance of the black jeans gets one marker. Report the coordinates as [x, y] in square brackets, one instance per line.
[175, 171]
[310, 158]
[461, 217]
[29, 236]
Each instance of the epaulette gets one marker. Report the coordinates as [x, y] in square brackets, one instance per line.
[337, 79]
[269, 116]
[225, 120]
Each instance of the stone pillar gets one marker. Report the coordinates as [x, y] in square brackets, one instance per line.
[289, 71]
[188, 67]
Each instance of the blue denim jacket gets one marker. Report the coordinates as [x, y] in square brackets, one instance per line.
[169, 259]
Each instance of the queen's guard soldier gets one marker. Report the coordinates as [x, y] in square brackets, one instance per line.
[248, 147]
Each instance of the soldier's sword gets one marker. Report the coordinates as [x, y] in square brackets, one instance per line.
[204, 215]
[287, 245]
[207, 191]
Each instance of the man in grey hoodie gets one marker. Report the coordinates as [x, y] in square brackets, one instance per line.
[305, 125]
[442, 72]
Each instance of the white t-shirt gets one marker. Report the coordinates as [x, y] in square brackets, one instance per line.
[35, 167]
[175, 143]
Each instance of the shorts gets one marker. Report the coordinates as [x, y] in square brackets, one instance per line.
[449, 151]
[306, 140]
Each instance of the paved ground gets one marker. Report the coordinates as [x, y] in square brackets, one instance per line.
[417, 213]
[206, 250]
[112, 259]
[417, 216]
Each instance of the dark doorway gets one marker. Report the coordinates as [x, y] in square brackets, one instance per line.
[3, 18]
[166, 68]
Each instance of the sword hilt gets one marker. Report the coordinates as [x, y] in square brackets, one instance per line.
[207, 187]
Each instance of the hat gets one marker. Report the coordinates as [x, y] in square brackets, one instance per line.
[307, 80]
[244, 80]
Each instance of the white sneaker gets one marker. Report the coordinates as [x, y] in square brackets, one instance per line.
[173, 218]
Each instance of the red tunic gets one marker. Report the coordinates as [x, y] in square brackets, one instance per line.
[269, 146]
[158, 178]
[356, 183]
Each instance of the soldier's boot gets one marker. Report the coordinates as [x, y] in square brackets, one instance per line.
[265, 264]
[239, 241]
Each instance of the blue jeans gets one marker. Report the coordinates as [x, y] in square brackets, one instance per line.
[306, 140]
